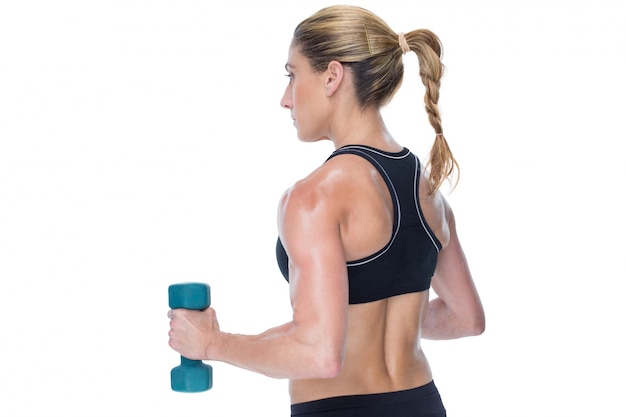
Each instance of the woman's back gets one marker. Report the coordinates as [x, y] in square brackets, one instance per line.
[383, 351]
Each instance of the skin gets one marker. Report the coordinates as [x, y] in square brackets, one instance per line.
[340, 212]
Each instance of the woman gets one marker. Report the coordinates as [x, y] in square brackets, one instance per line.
[361, 239]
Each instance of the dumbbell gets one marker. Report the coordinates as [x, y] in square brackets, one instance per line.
[191, 375]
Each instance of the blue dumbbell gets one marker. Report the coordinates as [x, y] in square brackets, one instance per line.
[190, 375]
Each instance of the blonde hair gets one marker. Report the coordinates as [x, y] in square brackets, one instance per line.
[363, 42]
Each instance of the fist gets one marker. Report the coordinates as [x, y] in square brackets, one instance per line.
[194, 333]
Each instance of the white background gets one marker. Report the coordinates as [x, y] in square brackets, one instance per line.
[142, 144]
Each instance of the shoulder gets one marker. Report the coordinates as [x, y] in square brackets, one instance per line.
[436, 209]
[310, 214]
[327, 187]
[317, 207]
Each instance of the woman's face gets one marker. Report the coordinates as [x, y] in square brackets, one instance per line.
[305, 97]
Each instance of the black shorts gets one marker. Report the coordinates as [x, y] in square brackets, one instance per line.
[423, 401]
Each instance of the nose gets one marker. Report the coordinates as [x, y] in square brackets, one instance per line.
[285, 102]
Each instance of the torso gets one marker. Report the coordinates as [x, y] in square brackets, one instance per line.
[383, 352]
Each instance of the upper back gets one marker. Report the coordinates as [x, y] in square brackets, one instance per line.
[390, 246]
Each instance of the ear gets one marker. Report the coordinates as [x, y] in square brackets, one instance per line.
[334, 77]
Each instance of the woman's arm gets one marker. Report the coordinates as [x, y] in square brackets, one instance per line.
[312, 345]
[457, 310]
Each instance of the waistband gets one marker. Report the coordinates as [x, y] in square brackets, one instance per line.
[365, 400]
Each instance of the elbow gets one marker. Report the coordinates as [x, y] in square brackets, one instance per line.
[477, 325]
[317, 355]
[328, 364]
[470, 323]
[478, 329]
[324, 361]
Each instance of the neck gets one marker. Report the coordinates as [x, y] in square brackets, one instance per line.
[363, 127]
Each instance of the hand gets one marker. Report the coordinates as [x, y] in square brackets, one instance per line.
[193, 333]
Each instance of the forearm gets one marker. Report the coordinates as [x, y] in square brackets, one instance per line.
[278, 353]
[441, 323]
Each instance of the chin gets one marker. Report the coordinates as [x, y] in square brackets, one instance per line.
[308, 140]
[303, 137]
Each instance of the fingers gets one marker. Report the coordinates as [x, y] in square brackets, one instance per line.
[171, 314]
[192, 332]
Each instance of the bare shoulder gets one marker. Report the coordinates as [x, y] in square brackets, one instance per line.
[311, 190]
[436, 209]
[313, 202]
[329, 187]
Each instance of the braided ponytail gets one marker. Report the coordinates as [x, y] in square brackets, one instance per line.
[428, 48]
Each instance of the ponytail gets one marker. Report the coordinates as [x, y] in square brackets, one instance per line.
[427, 46]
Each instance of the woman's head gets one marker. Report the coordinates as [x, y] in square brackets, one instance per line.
[372, 52]
[362, 42]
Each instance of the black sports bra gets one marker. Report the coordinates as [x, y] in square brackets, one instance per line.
[407, 262]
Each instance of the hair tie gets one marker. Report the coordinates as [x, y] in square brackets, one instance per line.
[404, 45]
[439, 134]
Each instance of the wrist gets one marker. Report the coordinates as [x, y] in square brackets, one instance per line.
[218, 348]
